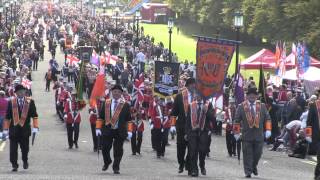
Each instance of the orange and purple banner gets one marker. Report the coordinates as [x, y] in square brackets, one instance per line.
[213, 60]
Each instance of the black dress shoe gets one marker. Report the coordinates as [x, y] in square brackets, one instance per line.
[133, 154]
[25, 165]
[76, 145]
[248, 176]
[203, 171]
[116, 172]
[255, 171]
[194, 174]
[105, 167]
[15, 169]
[180, 169]
[95, 149]
[70, 147]
[189, 173]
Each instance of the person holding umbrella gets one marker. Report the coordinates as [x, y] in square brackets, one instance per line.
[252, 116]
[17, 124]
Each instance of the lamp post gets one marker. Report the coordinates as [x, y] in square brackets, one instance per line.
[7, 7]
[11, 8]
[138, 15]
[238, 23]
[104, 7]
[1, 11]
[116, 15]
[94, 8]
[170, 26]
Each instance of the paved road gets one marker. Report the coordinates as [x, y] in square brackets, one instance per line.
[50, 157]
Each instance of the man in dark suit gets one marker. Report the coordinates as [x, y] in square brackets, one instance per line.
[197, 129]
[112, 126]
[313, 131]
[20, 110]
[178, 120]
[253, 117]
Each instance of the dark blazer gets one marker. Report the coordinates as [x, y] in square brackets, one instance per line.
[178, 111]
[252, 134]
[313, 121]
[208, 119]
[18, 131]
[124, 117]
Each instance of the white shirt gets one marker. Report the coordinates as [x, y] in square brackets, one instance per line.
[292, 124]
[141, 57]
[189, 97]
[254, 106]
[303, 119]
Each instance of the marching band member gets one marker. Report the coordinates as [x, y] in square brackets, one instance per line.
[137, 131]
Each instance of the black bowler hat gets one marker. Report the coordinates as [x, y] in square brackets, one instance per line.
[18, 88]
[252, 90]
[190, 81]
[117, 86]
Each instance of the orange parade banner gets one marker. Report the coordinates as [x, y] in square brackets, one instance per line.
[213, 60]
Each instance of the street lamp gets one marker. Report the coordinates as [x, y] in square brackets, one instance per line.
[238, 23]
[7, 7]
[94, 8]
[137, 15]
[1, 11]
[170, 26]
[104, 7]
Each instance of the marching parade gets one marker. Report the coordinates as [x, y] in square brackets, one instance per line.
[79, 84]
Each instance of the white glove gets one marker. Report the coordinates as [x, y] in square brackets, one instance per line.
[173, 129]
[209, 133]
[151, 126]
[129, 135]
[35, 130]
[268, 134]
[58, 103]
[150, 121]
[237, 136]
[185, 137]
[65, 116]
[98, 132]
[309, 139]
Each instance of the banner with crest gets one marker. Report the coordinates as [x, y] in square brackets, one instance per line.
[213, 60]
[166, 78]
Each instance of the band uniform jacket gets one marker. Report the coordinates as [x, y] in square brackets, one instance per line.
[123, 119]
[254, 133]
[16, 131]
[72, 111]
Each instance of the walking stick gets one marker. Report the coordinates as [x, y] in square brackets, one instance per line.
[239, 150]
[33, 138]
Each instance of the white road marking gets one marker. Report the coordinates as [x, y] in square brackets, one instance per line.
[310, 162]
[3, 144]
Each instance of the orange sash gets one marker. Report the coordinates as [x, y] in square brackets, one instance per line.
[318, 110]
[185, 101]
[115, 117]
[15, 112]
[194, 116]
[252, 122]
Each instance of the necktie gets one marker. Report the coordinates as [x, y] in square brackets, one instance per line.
[199, 113]
[20, 103]
[253, 113]
[115, 106]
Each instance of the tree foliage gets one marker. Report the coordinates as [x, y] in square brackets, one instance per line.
[274, 20]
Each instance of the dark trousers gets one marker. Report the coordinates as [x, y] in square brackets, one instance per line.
[24, 146]
[183, 160]
[73, 133]
[317, 169]
[136, 142]
[161, 140]
[70, 77]
[153, 139]
[231, 143]
[112, 139]
[252, 151]
[197, 146]
[35, 65]
[209, 144]
[60, 111]
[48, 85]
[94, 136]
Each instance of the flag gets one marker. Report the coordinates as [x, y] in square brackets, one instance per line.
[72, 60]
[306, 59]
[277, 56]
[262, 85]
[80, 82]
[239, 91]
[138, 88]
[282, 64]
[98, 89]
[95, 58]
[26, 83]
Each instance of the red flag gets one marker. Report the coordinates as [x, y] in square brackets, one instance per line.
[98, 89]
[278, 55]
